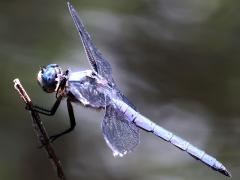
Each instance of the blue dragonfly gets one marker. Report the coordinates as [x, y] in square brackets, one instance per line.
[96, 89]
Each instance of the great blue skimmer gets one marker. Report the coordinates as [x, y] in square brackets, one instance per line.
[96, 89]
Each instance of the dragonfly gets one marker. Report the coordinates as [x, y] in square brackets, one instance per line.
[97, 89]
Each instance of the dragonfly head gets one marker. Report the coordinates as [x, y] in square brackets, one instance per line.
[49, 77]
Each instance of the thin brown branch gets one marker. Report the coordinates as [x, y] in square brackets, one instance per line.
[40, 130]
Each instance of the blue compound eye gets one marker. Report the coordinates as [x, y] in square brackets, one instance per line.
[48, 77]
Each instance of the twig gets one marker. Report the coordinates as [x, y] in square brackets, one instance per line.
[40, 130]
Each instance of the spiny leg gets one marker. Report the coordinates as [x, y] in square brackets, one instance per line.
[72, 122]
[47, 112]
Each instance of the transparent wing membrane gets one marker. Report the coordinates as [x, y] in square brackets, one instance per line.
[99, 64]
[121, 135]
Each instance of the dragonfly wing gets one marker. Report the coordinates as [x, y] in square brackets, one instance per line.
[121, 135]
[99, 64]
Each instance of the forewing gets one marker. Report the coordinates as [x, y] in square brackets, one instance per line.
[99, 64]
[121, 135]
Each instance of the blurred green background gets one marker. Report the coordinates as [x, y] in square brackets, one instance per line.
[178, 61]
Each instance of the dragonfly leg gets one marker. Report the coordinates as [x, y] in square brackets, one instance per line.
[72, 122]
[44, 111]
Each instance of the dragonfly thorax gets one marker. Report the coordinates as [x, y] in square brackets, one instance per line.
[88, 88]
[49, 77]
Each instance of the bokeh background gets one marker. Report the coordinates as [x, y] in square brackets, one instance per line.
[178, 61]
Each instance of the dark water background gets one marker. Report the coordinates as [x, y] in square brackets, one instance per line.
[178, 61]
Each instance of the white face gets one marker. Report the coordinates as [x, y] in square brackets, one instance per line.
[49, 77]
